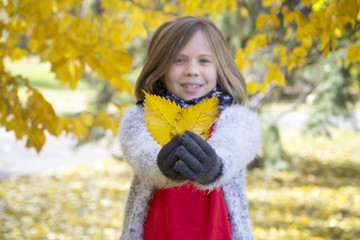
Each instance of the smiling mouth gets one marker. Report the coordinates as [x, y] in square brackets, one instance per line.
[191, 85]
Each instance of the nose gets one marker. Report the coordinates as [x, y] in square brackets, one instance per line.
[192, 70]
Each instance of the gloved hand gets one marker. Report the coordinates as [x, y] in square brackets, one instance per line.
[167, 158]
[198, 161]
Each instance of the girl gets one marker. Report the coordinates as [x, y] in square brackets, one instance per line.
[190, 188]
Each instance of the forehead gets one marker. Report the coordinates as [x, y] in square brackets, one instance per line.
[198, 43]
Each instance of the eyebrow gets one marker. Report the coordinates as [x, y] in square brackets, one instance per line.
[201, 55]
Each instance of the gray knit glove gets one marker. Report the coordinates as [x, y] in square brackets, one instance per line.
[167, 158]
[198, 160]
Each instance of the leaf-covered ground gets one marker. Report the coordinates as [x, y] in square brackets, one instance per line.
[318, 198]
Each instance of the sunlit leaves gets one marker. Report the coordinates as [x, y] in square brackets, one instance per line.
[268, 3]
[70, 39]
[281, 53]
[198, 118]
[318, 198]
[81, 202]
[74, 37]
[296, 58]
[67, 70]
[253, 87]
[102, 119]
[165, 119]
[240, 59]
[201, 7]
[270, 20]
[346, 12]
[29, 119]
[159, 117]
[63, 38]
[353, 55]
[274, 74]
[18, 53]
[255, 43]
[244, 13]
[319, 30]
[33, 116]
[262, 21]
[36, 138]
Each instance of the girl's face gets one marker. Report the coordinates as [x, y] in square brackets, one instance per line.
[193, 72]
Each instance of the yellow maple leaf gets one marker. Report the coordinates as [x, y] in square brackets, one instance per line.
[252, 87]
[281, 53]
[159, 116]
[244, 13]
[165, 119]
[105, 121]
[262, 21]
[36, 139]
[352, 55]
[274, 74]
[240, 59]
[197, 118]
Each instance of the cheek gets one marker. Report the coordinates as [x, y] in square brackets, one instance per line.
[169, 79]
[212, 76]
[172, 75]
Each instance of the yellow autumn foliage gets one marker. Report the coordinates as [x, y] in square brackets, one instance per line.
[353, 55]
[165, 119]
[317, 199]
[274, 74]
[76, 36]
[270, 20]
[320, 29]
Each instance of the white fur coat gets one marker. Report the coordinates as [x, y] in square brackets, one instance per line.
[236, 139]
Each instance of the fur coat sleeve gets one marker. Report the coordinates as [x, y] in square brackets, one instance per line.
[236, 139]
[140, 150]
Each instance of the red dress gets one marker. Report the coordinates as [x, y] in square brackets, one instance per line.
[187, 213]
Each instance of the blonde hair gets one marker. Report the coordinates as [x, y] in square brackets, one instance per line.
[170, 38]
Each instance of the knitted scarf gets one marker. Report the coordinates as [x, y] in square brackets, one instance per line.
[223, 97]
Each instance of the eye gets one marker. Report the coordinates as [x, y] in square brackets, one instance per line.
[204, 60]
[179, 60]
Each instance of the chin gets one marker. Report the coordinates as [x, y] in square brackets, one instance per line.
[191, 98]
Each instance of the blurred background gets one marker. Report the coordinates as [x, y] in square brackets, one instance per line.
[67, 71]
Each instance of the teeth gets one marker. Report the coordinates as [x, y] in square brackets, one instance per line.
[191, 86]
